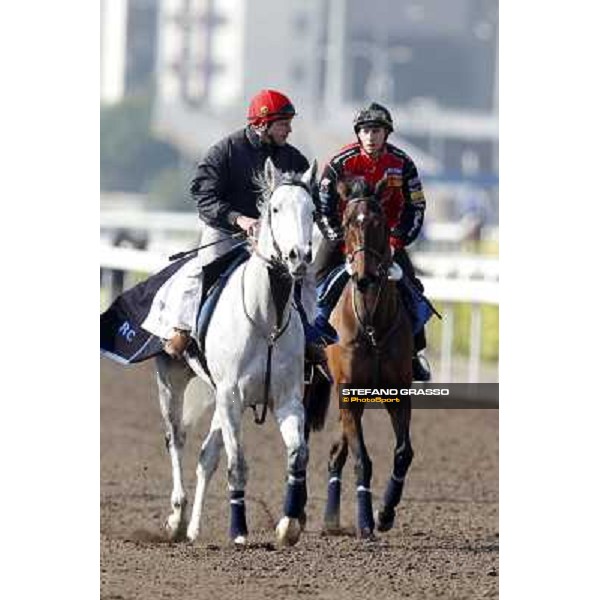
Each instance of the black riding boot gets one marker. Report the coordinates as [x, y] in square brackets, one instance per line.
[420, 365]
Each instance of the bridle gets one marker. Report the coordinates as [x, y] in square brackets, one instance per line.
[277, 273]
[384, 259]
[277, 262]
[366, 321]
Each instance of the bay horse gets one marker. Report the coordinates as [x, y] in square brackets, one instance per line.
[374, 351]
[254, 351]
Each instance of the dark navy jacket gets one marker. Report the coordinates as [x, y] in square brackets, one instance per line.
[223, 186]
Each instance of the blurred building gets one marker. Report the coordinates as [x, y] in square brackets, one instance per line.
[128, 44]
[433, 61]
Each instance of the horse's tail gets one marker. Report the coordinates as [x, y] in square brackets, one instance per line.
[198, 397]
[318, 397]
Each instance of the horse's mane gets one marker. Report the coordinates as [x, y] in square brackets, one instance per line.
[264, 189]
[357, 187]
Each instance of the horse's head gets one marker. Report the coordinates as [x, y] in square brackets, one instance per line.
[287, 216]
[366, 232]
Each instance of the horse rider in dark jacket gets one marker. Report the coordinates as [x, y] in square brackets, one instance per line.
[372, 158]
[227, 196]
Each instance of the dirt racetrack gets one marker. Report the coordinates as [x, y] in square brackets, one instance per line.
[444, 543]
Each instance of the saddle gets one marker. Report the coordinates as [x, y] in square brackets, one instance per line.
[330, 289]
[417, 305]
[122, 337]
[215, 277]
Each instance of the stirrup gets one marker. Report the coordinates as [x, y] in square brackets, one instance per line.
[420, 368]
[317, 359]
[324, 370]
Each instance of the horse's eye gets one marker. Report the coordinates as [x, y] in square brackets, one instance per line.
[275, 210]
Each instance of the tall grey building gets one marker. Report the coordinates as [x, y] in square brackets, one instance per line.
[434, 62]
[128, 47]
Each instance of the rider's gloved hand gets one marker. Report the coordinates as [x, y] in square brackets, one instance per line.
[248, 224]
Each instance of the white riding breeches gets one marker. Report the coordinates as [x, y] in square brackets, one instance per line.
[176, 303]
[210, 235]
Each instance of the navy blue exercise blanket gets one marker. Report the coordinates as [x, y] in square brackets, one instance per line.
[121, 336]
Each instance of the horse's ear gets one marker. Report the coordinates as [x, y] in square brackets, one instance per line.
[272, 174]
[310, 176]
[380, 188]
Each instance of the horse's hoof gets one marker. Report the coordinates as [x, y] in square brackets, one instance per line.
[239, 541]
[302, 520]
[366, 534]
[192, 534]
[288, 531]
[385, 519]
[175, 529]
[330, 529]
[331, 524]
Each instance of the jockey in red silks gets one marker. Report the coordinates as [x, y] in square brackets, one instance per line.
[372, 158]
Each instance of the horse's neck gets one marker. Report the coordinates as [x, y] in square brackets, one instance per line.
[380, 309]
[260, 298]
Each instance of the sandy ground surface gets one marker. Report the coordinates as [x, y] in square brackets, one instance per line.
[444, 543]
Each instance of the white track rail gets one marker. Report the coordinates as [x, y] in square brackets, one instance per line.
[443, 291]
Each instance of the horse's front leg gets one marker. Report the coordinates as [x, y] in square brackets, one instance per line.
[290, 418]
[337, 459]
[207, 465]
[229, 408]
[403, 455]
[172, 378]
[363, 468]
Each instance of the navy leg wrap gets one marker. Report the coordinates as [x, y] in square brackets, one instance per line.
[364, 507]
[395, 485]
[295, 497]
[334, 492]
[238, 515]
[393, 493]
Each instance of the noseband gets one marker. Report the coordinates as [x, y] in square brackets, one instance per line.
[281, 287]
[382, 267]
[366, 324]
[384, 263]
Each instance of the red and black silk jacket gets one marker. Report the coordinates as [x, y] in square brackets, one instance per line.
[404, 201]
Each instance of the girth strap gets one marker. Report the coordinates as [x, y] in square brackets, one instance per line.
[271, 338]
[259, 420]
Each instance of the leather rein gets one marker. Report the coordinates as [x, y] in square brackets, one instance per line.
[366, 322]
[277, 273]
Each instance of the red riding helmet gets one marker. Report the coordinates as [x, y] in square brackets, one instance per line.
[268, 106]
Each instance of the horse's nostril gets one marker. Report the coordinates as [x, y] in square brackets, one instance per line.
[293, 254]
[309, 256]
